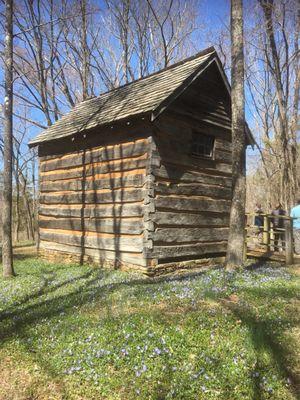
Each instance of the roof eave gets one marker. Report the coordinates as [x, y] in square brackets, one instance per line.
[36, 142]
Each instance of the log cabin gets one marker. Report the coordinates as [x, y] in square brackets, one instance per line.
[140, 176]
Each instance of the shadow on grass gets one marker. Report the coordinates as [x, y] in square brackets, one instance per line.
[20, 256]
[33, 308]
[24, 313]
[45, 289]
[266, 338]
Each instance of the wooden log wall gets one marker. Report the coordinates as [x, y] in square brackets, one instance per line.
[191, 196]
[92, 202]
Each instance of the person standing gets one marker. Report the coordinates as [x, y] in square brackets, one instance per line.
[278, 226]
[295, 214]
[258, 219]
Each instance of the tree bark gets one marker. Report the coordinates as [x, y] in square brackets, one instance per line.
[286, 170]
[85, 52]
[7, 256]
[236, 239]
[295, 111]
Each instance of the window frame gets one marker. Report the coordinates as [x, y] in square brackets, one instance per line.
[192, 145]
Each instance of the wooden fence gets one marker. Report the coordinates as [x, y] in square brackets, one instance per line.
[266, 239]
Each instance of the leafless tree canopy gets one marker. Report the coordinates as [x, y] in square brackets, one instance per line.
[69, 50]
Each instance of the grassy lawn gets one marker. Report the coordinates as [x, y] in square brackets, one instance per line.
[75, 332]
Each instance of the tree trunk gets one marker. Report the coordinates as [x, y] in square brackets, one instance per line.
[7, 256]
[17, 205]
[85, 52]
[235, 250]
[286, 171]
[295, 112]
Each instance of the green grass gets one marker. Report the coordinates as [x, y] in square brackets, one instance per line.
[75, 332]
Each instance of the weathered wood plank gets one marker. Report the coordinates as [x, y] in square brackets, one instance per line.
[184, 219]
[100, 167]
[98, 255]
[113, 196]
[192, 204]
[78, 185]
[97, 153]
[183, 175]
[222, 156]
[199, 189]
[172, 159]
[109, 169]
[117, 243]
[223, 145]
[199, 249]
[115, 211]
[117, 225]
[181, 235]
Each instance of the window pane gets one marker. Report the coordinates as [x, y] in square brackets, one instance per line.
[202, 145]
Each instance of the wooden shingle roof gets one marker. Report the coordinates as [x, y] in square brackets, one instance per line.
[149, 94]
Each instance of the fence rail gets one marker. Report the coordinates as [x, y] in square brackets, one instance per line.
[269, 236]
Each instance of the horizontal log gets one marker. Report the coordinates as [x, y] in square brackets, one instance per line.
[177, 159]
[181, 235]
[78, 185]
[117, 225]
[96, 255]
[192, 189]
[95, 167]
[222, 156]
[207, 100]
[107, 170]
[113, 196]
[117, 243]
[201, 249]
[192, 204]
[185, 219]
[115, 211]
[203, 118]
[174, 124]
[183, 175]
[103, 153]
[223, 145]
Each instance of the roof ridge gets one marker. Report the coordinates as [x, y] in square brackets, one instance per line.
[201, 53]
[140, 96]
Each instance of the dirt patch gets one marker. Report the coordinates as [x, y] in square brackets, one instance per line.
[20, 381]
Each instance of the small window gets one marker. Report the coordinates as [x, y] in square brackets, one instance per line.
[202, 145]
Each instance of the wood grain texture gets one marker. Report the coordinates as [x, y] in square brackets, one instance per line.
[91, 175]
[188, 250]
[112, 225]
[170, 188]
[96, 255]
[109, 197]
[181, 235]
[115, 243]
[192, 204]
[115, 211]
[198, 219]
[129, 151]
[136, 180]
[176, 173]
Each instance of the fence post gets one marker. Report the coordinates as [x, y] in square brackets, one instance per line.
[289, 245]
[266, 232]
[245, 246]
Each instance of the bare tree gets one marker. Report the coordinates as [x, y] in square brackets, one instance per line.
[7, 255]
[236, 240]
[280, 71]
